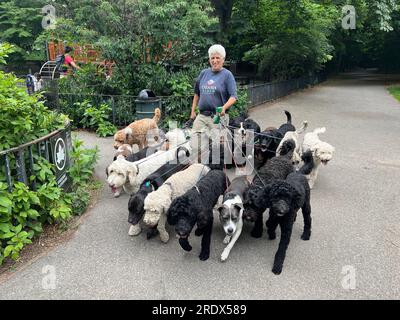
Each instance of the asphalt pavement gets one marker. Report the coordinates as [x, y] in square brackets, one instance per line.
[353, 253]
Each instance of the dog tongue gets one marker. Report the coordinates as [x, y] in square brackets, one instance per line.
[114, 189]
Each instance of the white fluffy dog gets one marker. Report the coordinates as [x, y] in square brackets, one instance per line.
[322, 152]
[294, 135]
[157, 203]
[129, 175]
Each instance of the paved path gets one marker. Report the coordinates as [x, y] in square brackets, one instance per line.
[355, 209]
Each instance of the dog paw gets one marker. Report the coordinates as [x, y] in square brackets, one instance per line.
[256, 234]
[204, 256]
[117, 194]
[134, 230]
[227, 239]
[277, 270]
[185, 244]
[164, 237]
[306, 236]
[224, 255]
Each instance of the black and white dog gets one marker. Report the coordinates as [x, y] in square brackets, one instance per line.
[231, 213]
[196, 206]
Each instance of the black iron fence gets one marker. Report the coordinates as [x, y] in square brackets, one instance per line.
[17, 164]
[123, 106]
[176, 107]
[264, 92]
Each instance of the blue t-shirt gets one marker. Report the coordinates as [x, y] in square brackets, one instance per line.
[215, 88]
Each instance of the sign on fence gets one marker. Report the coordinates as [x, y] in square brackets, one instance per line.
[61, 146]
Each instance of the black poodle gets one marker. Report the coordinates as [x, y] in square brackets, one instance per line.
[196, 206]
[151, 183]
[276, 168]
[285, 198]
[269, 140]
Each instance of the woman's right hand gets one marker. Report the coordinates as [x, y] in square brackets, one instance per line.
[193, 115]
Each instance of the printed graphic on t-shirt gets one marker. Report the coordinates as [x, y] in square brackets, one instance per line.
[209, 87]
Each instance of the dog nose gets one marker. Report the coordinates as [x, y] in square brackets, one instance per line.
[230, 230]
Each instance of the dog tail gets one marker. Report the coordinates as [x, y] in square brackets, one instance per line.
[157, 115]
[319, 130]
[288, 116]
[303, 128]
[308, 165]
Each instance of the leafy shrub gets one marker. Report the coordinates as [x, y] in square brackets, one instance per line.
[23, 212]
[22, 113]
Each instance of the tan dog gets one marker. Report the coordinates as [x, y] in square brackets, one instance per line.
[136, 132]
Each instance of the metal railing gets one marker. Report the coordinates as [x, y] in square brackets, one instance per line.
[123, 106]
[17, 164]
[172, 107]
[264, 92]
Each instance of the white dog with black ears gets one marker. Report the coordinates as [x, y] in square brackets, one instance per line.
[231, 212]
[322, 152]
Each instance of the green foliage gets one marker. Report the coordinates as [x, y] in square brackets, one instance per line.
[95, 117]
[21, 112]
[84, 161]
[241, 104]
[395, 91]
[23, 212]
[20, 24]
[292, 38]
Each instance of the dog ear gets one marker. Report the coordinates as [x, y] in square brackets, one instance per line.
[239, 207]
[132, 174]
[220, 208]
[107, 172]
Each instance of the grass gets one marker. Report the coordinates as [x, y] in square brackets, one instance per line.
[395, 91]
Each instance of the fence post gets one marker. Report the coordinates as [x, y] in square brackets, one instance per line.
[21, 170]
[8, 173]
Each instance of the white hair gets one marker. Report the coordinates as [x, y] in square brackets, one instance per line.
[216, 49]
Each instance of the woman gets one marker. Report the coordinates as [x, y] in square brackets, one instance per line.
[215, 87]
[69, 61]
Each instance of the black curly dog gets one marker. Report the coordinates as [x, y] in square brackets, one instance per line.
[269, 142]
[196, 206]
[276, 168]
[285, 198]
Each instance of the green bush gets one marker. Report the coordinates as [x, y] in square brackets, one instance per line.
[23, 212]
[22, 113]
[395, 92]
